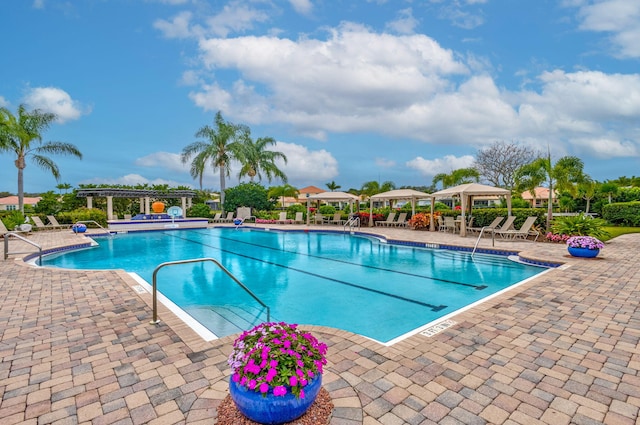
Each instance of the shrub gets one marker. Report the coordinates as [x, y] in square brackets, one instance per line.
[327, 210]
[422, 220]
[250, 195]
[199, 210]
[83, 214]
[13, 219]
[622, 213]
[579, 225]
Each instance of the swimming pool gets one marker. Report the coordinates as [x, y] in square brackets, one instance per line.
[356, 283]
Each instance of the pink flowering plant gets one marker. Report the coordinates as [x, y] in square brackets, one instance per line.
[277, 357]
[588, 242]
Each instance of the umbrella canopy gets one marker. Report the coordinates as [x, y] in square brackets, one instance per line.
[466, 192]
[398, 195]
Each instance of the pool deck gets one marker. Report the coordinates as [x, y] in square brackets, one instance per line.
[76, 347]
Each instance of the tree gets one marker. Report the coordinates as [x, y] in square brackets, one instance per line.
[250, 194]
[587, 189]
[20, 134]
[256, 159]
[332, 186]
[499, 162]
[610, 189]
[459, 176]
[63, 186]
[561, 175]
[219, 149]
[276, 192]
[373, 187]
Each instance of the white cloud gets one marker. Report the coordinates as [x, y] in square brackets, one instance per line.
[4, 103]
[405, 23]
[55, 100]
[303, 7]
[620, 18]
[178, 27]
[38, 4]
[431, 167]
[304, 165]
[385, 163]
[132, 180]
[167, 160]
[236, 16]
[606, 148]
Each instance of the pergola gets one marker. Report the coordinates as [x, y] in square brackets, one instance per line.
[466, 192]
[332, 197]
[397, 195]
[145, 196]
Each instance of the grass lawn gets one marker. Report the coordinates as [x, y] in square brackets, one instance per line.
[617, 231]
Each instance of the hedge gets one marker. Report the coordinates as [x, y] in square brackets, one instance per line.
[622, 213]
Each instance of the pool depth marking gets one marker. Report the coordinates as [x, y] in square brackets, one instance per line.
[453, 282]
[388, 294]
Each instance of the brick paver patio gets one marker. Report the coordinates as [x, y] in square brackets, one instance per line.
[76, 347]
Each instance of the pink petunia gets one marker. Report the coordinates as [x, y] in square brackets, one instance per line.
[293, 381]
[279, 391]
[264, 387]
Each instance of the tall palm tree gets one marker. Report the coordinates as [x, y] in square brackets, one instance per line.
[373, 187]
[22, 135]
[219, 149]
[255, 158]
[561, 176]
[459, 176]
[332, 186]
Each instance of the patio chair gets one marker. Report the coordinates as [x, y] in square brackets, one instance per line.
[493, 225]
[401, 221]
[54, 222]
[388, 221]
[523, 232]
[337, 219]
[217, 217]
[318, 219]
[283, 218]
[448, 224]
[228, 218]
[39, 224]
[299, 218]
[508, 224]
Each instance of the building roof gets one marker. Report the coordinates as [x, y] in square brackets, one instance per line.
[540, 193]
[13, 200]
[310, 189]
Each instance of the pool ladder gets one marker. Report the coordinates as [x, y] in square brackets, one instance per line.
[351, 223]
[155, 320]
[23, 239]
[493, 239]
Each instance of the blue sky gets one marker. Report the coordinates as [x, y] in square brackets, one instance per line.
[352, 91]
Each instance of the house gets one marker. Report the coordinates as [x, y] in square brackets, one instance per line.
[10, 203]
[540, 197]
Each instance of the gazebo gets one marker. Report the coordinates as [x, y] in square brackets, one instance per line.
[397, 195]
[332, 197]
[466, 192]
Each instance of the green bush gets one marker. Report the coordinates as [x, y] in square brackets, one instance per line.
[327, 210]
[83, 214]
[579, 225]
[622, 213]
[250, 195]
[13, 219]
[484, 216]
[199, 210]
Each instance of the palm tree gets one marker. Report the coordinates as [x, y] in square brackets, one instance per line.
[459, 176]
[561, 175]
[254, 158]
[610, 189]
[219, 149]
[373, 187]
[332, 186]
[281, 191]
[65, 186]
[18, 134]
[588, 188]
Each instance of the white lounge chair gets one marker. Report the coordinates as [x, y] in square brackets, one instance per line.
[54, 222]
[401, 221]
[388, 221]
[493, 225]
[39, 224]
[318, 219]
[523, 232]
[283, 218]
[228, 218]
[299, 218]
[337, 219]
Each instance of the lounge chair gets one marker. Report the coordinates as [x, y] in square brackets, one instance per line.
[299, 218]
[54, 222]
[283, 218]
[318, 219]
[39, 224]
[216, 218]
[401, 221]
[523, 232]
[228, 218]
[508, 224]
[3, 228]
[337, 219]
[492, 226]
[388, 221]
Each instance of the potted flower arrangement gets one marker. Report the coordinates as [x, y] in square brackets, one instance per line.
[276, 372]
[584, 246]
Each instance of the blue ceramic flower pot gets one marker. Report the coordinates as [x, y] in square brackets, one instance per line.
[79, 228]
[583, 252]
[271, 409]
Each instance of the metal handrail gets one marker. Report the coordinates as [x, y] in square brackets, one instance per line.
[493, 238]
[94, 222]
[22, 238]
[352, 222]
[155, 320]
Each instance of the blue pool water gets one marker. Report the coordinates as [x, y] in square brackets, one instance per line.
[356, 283]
